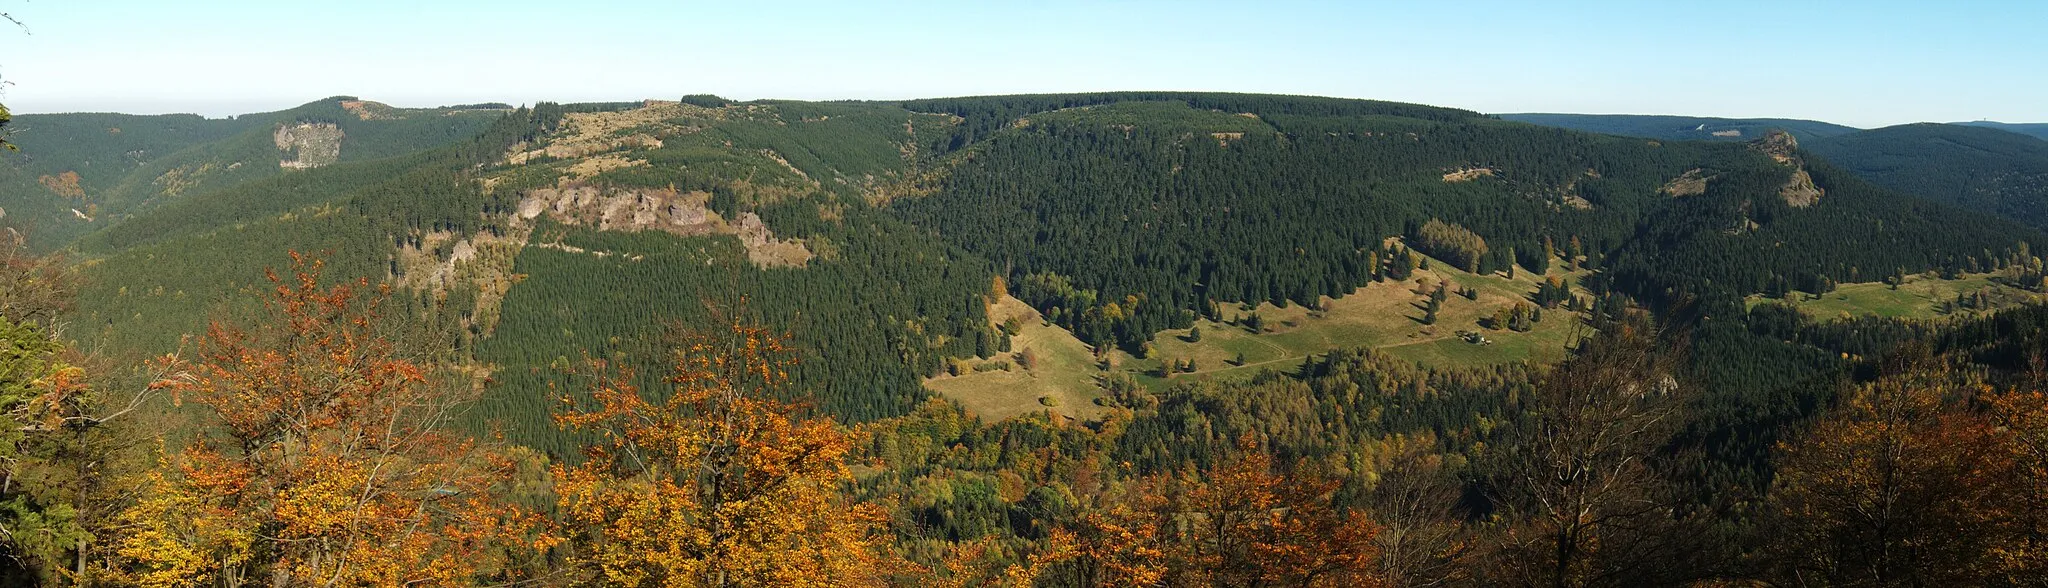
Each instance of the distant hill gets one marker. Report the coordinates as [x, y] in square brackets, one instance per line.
[2035, 130]
[69, 164]
[1183, 200]
[1678, 128]
[79, 173]
[1978, 167]
[1991, 167]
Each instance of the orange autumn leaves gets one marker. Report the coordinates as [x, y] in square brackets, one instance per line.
[720, 483]
[1239, 524]
[330, 462]
[1926, 477]
[331, 459]
[63, 184]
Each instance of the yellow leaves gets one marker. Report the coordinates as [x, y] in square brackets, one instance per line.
[651, 531]
[332, 462]
[719, 482]
[181, 538]
[323, 507]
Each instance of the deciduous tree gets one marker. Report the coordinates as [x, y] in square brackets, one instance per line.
[1239, 524]
[1578, 485]
[1899, 486]
[329, 461]
[2023, 412]
[68, 442]
[719, 483]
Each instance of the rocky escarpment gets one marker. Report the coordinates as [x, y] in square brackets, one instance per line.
[680, 213]
[1800, 191]
[307, 145]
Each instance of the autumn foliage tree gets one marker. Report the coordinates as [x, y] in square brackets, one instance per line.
[69, 450]
[1240, 524]
[719, 483]
[1907, 483]
[69, 443]
[37, 527]
[328, 462]
[2022, 411]
[979, 563]
[1579, 484]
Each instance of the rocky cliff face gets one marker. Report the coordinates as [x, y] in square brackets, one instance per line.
[308, 145]
[680, 213]
[1800, 192]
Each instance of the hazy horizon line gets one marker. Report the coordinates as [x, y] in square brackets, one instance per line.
[267, 106]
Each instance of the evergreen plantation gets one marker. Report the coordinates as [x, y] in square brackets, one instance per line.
[591, 277]
[1988, 167]
[1684, 128]
[1977, 168]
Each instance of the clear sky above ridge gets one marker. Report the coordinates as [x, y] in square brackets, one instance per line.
[1868, 63]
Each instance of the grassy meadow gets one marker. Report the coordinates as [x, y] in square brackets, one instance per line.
[1384, 315]
[1921, 296]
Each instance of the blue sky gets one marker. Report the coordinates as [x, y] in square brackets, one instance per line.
[1868, 63]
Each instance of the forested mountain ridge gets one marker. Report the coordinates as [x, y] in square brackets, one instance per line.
[1683, 128]
[561, 231]
[74, 158]
[1993, 168]
[85, 172]
[1978, 168]
[1707, 128]
[2035, 130]
[1250, 202]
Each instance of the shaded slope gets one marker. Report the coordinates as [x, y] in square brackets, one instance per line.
[1978, 168]
[73, 161]
[2035, 130]
[1682, 128]
[129, 164]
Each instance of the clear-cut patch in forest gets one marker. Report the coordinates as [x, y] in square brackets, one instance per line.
[1919, 297]
[1691, 183]
[589, 133]
[368, 110]
[1467, 175]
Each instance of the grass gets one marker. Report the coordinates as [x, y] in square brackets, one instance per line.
[1919, 297]
[1383, 315]
[1066, 372]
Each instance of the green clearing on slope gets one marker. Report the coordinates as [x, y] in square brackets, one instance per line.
[1920, 297]
[1065, 371]
[1383, 315]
